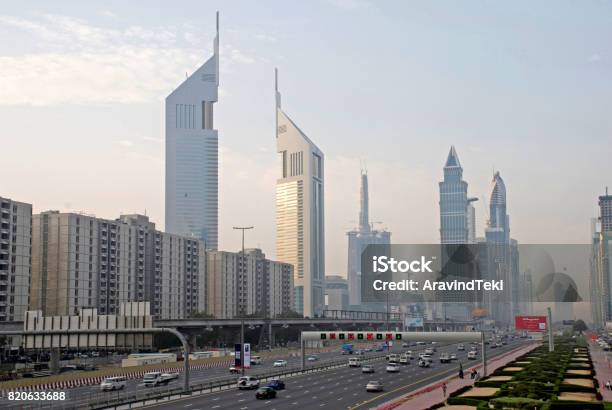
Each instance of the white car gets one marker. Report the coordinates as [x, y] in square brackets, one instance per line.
[312, 358]
[113, 383]
[393, 368]
[247, 382]
[460, 347]
[280, 363]
[424, 363]
[354, 362]
[367, 368]
[429, 351]
[404, 359]
[453, 356]
[472, 355]
[374, 385]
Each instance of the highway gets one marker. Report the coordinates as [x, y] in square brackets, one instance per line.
[337, 388]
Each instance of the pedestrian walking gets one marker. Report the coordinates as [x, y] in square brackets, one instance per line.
[608, 385]
[444, 389]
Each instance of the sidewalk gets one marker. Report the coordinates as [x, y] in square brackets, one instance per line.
[432, 394]
[603, 368]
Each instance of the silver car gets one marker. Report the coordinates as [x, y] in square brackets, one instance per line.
[374, 386]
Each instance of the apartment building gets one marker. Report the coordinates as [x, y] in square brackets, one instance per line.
[81, 261]
[15, 258]
[249, 284]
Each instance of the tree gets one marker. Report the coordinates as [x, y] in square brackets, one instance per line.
[201, 315]
[579, 326]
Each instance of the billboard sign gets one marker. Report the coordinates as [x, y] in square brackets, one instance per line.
[414, 322]
[530, 323]
[237, 361]
[247, 355]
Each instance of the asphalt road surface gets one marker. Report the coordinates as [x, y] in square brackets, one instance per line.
[337, 388]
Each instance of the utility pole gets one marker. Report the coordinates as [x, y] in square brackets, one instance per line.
[240, 289]
[551, 341]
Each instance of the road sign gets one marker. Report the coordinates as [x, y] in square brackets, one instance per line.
[247, 355]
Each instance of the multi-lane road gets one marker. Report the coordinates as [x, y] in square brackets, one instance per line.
[342, 387]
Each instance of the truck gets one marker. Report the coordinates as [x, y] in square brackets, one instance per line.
[153, 379]
[347, 348]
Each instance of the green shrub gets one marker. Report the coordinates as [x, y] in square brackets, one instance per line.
[516, 403]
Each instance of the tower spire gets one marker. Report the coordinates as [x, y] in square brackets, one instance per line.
[364, 212]
[216, 46]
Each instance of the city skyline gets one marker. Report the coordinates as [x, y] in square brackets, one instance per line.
[128, 173]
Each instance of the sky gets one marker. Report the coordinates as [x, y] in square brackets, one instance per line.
[520, 87]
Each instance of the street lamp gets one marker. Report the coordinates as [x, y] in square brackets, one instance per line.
[240, 299]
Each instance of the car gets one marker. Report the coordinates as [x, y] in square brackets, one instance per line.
[95, 354]
[280, 363]
[429, 351]
[247, 382]
[312, 358]
[404, 359]
[374, 386]
[424, 363]
[405, 344]
[498, 344]
[367, 368]
[354, 362]
[393, 357]
[493, 345]
[153, 379]
[256, 360]
[393, 367]
[265, 393]
[234, 369]
[453, 356]
[368, 349]
[472, 355]
[461, 347]
[445, 358]
[82, 356]
[113, 383]
[277, 384]
[419, 343]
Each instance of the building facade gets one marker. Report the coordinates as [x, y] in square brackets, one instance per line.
[300, 235]
[457, 227]
[601, 266]
[502, 254]
[358, 240]
[80, 261]
[266, 288]
[192, 154]
[336, 293]
[15, 258]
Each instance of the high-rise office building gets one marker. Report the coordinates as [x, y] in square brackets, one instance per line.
[601, 264]
[336, 293]
[300, 235]
[502, 254]
[266, 291]
[455, 215]
[81, 261]
[15, 259]
[358, 240]
[457, 227]
[192, 154]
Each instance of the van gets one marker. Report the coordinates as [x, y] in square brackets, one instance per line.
[113, 383]
[354, 362]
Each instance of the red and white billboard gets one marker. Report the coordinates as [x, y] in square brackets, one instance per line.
[530, 323]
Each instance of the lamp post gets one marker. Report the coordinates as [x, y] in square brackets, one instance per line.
[240, 298]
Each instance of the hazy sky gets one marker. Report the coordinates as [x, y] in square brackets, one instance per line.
[522, 87]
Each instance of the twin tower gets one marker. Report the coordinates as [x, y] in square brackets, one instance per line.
[192, 181]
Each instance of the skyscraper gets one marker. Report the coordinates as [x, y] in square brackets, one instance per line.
[457, 227]
[192, 162]
[601, 264]
[502, 254]
[455, 213]
[300, 237]
[358, 239]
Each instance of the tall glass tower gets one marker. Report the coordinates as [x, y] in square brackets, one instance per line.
[300, 235]
[192, 154]
[358, 239]
[455, 217]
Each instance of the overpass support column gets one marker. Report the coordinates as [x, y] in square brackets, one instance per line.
[271, 334]
[303, 352]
